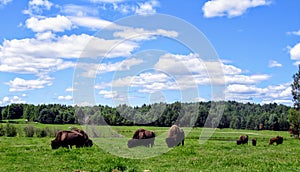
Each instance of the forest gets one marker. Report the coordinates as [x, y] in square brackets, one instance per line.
[236, 115]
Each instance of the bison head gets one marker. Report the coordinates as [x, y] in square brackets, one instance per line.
[88, 143]
[55, 144]
[131, 143]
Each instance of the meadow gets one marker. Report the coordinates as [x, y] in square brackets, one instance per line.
[110, 152]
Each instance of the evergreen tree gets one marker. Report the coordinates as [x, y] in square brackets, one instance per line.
[294, 114]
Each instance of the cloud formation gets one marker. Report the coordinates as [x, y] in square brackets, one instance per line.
[295, 52]
[55, 24]
[232, 8]
[4, 2]
[273, 63]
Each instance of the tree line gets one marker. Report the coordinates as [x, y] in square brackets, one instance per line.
[236, 115]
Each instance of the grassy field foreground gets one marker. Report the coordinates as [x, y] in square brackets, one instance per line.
[219, 153]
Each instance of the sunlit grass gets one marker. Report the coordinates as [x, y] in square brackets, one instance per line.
[219, 153]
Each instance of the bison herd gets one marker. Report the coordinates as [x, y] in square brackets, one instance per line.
[141, 137]
[244, 140]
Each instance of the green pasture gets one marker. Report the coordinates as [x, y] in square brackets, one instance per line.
[110, 152]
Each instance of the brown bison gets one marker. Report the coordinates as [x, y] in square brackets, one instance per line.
[238, 142]
[278, 140]
[70, 138]
[175, 137]
[254, 142]
[138, 142]
[142, 137]
[244, 139]
[88, 142]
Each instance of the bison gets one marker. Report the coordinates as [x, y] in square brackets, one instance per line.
[238, 142]
[175, 137]
[253, 142]
[142, 137]
[138, 142]
[88, 142]
[244, 139]
[278, 140]
[68, 139]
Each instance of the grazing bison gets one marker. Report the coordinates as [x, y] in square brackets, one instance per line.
[139, 133]
[142, 137]
[244, 139]
[88, 142]
[175, 137]
[70, 138]
[138, 142]
[278, 140]
[253, 142]
[238, 142]
[66, 139]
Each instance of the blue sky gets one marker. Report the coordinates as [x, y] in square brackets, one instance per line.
[117, 51]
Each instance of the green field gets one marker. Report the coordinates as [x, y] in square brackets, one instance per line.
[219, 153]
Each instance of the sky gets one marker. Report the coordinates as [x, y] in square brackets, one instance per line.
[114, 52]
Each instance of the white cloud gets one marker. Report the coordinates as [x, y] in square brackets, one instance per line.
[76, 10]
[273, 63]
[4, 2]
[37, 6]
[69, 89]
[193, 64]
[45, 36]
[180, 72]
[232, 8]
[139, 34]
[108, 94]
[55, 24]
[147, 8]
[32, 56]
[65, 97]
[19, 84]
[145, 83]
[294, 33]
[273, 93]
[7, 100]
[106, 1]
[295, 52]
[90, 70]
[90, 22]
[200, 99]
[115, 95]
[41, 3]
[244, 79]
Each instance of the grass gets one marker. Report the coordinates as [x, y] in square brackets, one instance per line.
[219, 153]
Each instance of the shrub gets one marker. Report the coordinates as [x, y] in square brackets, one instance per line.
[11, 131]
[40, 132]
[2, 130]
[29, 131]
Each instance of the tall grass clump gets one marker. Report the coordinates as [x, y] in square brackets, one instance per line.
[11, 131]
[29, 131]
[2, 130]
[41, 132]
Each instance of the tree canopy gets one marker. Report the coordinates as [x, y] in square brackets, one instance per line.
[236, 115]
